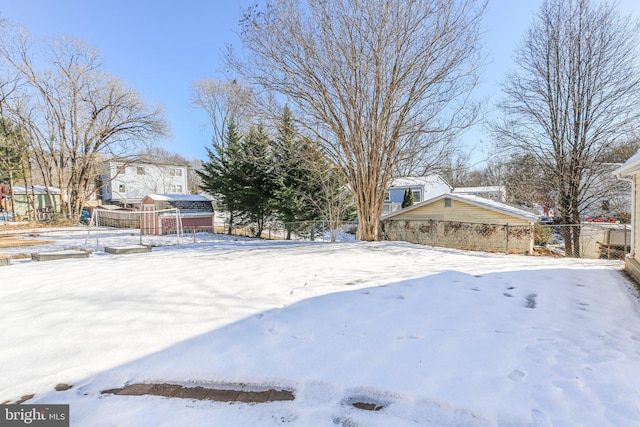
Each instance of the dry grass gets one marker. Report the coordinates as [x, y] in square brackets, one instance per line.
[12, 242]
[6, 226]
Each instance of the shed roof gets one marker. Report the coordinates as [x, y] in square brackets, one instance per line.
[477, 201]
[178, 197]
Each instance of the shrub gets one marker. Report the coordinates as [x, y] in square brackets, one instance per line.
[542, 234]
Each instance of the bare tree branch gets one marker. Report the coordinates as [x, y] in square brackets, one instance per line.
[380, 83]
[74, 113]
[574, 95]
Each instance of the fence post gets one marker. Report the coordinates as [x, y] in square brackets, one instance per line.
[624, 254]
[506, 229]
[433, 232]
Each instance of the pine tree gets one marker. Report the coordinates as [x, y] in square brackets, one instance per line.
[221, 174]
[296, 195]
[257, 180]
[408, 198]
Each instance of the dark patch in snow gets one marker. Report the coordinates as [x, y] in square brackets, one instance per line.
[506, 294]
[63, 387]
[367, 401]
[531, 301]
[344, 422]
[225, 392]
[367, 406]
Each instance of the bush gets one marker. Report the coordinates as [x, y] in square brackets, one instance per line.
[542, 234]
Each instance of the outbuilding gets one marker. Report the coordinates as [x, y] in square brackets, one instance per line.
[630, 172]
[464, 221]
[171, 213]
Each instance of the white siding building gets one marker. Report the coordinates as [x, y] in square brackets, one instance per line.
[128, 183]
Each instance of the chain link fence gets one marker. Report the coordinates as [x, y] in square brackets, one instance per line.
[497, 238]
[587, 240]
[324, 231]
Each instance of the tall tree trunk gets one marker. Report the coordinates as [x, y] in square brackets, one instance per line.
[12, 195]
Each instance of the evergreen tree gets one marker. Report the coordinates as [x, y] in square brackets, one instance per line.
[221, 175]
[297, 167]
[257, 180]
[408, 198]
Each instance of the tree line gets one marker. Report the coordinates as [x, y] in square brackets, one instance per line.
[257, 178]
[62, 115]
[378, 89]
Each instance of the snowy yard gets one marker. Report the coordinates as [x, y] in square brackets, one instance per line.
[435, 337]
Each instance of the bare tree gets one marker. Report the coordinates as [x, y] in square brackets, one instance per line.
[575, 92]
[224, 100]
[73, 113]
[455, 169]
[526, 182]
[378, 82]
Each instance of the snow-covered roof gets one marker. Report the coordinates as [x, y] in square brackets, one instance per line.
[37, 189]
[180, 197]
[630, 166]
[482, 189]
[477, 201]
[415, 181]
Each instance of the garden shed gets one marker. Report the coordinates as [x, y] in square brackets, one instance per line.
[464, 221]
[169, 213]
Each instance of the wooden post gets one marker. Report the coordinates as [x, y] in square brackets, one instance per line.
[506, 228]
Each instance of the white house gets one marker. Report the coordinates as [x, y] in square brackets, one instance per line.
[422, 187]
[126, 183]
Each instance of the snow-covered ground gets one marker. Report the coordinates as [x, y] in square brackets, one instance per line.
[438, 337]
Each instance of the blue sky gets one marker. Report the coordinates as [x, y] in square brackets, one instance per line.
[161, 47]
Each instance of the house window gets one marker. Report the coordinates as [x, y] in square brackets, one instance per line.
[120, 170]
[447, 202]
[387, 196]
[175, 172]
[176, 188]
[417, 196]
[121, 188]
[140, 170]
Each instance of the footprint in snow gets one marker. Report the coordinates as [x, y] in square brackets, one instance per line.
[540, 419]
[409, 337]
[517, 376]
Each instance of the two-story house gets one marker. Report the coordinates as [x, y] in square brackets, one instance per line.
[126, 183]
[422, 187]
